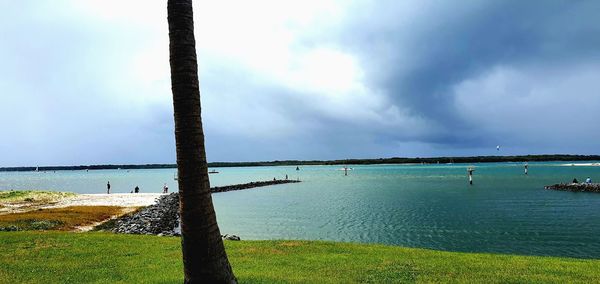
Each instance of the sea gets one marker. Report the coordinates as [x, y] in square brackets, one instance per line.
[429, 206]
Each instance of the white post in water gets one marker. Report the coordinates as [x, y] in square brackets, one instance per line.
[470, 170]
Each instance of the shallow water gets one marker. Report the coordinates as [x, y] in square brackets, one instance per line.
[429, 206]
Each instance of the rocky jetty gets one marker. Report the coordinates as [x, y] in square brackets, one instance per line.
[575, 187]
[162, 218]
[250, 185]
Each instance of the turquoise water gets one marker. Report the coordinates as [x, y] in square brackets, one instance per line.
[428, 206]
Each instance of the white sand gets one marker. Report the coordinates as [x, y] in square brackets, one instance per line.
[114, 199]
[130, 200]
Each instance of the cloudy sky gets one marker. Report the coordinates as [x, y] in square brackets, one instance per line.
[87, 82]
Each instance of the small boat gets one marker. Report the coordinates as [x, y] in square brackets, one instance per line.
[213, 172]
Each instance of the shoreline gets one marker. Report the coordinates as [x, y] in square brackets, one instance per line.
[125, 200]
[138, 213]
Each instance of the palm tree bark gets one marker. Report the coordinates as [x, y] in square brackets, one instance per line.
[204, 257]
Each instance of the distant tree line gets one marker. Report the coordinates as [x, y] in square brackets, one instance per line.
[90, 167]
[395, 160]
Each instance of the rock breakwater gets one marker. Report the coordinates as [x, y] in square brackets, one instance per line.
[160, 218]
[250, 185]
[575, 187]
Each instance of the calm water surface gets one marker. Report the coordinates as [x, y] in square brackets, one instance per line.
[428, 206]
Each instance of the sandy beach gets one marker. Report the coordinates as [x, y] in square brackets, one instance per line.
[114, 199]
[130, 200]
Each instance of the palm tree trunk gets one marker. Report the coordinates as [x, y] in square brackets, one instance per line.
[204, 257]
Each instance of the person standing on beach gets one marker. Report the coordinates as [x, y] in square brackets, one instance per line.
[108, 187]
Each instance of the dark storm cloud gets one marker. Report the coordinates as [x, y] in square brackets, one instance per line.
[419, 61]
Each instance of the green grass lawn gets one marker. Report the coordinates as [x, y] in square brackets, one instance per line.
[59, 257]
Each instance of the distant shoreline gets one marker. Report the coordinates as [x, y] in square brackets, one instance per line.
[582, 165]
[395, 160]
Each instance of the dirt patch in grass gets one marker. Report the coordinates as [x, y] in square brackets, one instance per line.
[64, 219]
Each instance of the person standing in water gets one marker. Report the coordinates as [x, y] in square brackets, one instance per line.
[136, 189]
[108, 187]
[470, 170]
[526, 166]
[165, 188]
